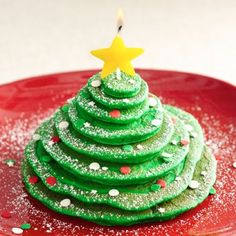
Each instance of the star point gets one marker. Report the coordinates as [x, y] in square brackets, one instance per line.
[117, 56]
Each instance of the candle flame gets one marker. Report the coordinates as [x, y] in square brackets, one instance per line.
[120, 20]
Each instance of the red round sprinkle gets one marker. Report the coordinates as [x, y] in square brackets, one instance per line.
[55, 139]
[161, 182]
[184, 142]
[125, 170]
[33, 179]
[6, 214]
[51, 180]
[218, 157]
[115, 113]
[173, 120]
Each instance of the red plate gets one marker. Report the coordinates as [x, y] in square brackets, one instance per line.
[25, 103]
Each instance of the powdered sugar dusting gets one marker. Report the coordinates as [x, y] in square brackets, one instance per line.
[16, 134]
[220, 133]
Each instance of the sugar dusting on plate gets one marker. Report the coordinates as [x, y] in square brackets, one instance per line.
[16, 133]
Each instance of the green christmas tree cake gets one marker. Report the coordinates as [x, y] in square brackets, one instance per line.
[115, 155]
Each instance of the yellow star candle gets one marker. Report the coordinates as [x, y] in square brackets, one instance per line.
[117, 56]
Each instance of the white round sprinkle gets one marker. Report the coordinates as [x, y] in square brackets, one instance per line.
[16, 230]
[234, 164]
[174, 142]
[63, 125]
[203, 173]
[139, 147]
[113, 192]
[126, 100]
[152, 102]
[93, 191]
[194, 184]
[178, 178]
[189, 127]
[156, 122]
[161, 209]
[166, 154]
[91, 104]
[104, 168]
[96, 83]
[50, 143]
[193, 134]
[36, 137]
[132, 81]
[65, 202]
[94, 166]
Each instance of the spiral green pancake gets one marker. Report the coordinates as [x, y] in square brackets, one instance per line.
[122, 162]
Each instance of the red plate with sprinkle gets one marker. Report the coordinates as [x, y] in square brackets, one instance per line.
[24, 104]
[5, 214]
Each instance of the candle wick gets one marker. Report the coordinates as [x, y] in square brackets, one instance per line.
[119, 28]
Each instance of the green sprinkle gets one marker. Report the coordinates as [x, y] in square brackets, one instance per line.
[212, 191]
[65, 108]
[26, 226]
[10, 160]
[127, 148]
[177, 139]
[45, 158]
[155, 187]
[165, 159]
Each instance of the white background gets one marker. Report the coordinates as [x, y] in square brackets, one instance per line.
[46, 36]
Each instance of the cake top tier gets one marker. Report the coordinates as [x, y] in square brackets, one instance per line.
[118, 84]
